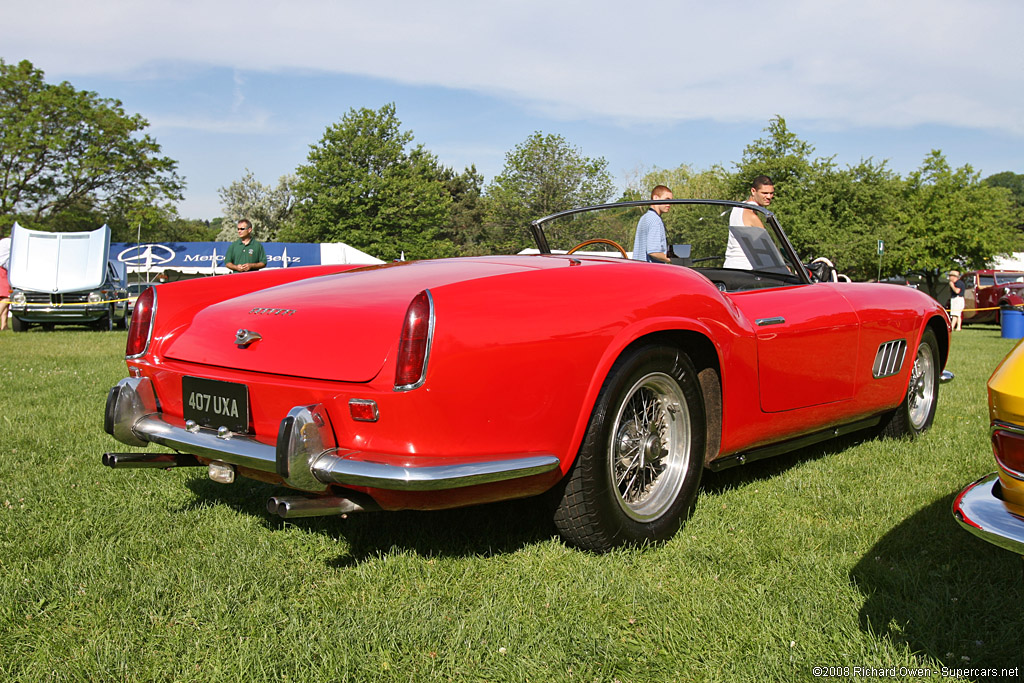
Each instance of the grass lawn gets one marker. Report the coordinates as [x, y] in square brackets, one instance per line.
[843, 555]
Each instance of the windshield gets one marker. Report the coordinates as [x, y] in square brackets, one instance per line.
[703, 235]
[1008, 278]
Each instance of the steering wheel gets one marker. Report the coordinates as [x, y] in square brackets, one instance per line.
[599, 240]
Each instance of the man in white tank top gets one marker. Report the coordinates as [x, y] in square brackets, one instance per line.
[762, 191]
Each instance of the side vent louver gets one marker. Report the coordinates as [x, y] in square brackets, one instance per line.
[889, 359]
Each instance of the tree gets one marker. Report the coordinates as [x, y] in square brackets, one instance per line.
[268, 208]
[936, 218]
[684, 182]
[1014, 182]
[542, 175]
[843, 214]
[366, 185]
[781, 156]
[952, 219]
[65, 153]
[465, 226]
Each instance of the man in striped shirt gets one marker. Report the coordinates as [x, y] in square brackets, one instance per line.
[650, 243]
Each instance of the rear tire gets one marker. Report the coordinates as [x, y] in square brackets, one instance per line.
[638, 470]
[916, 413]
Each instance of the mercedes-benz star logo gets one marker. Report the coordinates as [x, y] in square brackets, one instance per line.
[147, 255]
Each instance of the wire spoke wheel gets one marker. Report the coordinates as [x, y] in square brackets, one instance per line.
[650, 447]
[636, 476]
[921, 393]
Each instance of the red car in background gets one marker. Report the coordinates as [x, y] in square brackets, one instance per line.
[607, 383]
[990, 290]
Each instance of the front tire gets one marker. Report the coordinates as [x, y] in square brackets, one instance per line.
[18, 325]
[638, 470]
[916, 413]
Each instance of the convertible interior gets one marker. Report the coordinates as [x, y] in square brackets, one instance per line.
[697, 233]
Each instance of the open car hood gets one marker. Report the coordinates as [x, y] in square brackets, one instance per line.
[339, 327]
[57, 262]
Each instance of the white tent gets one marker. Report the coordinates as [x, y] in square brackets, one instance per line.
[1011, 262]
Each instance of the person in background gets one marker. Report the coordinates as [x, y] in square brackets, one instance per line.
[762, 191]
[650, 243]
[956, 299]
[5, 284]
[245, 254]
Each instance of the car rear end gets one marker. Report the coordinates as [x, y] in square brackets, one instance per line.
[992, 508]
[316, 384]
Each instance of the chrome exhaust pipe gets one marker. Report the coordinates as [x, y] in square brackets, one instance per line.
[149, 460]
[293, 507]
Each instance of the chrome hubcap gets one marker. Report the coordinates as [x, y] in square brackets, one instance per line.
[650, 447]
[921, 395]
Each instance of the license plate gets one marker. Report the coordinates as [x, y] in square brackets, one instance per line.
[215, 404]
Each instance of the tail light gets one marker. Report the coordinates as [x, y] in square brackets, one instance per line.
[414, 346]
[142, 324]
[1008, 446]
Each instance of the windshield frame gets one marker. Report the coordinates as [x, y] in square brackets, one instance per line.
[769, 220]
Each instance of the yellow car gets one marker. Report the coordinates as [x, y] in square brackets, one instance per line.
[992, 508]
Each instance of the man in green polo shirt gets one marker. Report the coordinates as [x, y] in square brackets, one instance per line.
[245, 254]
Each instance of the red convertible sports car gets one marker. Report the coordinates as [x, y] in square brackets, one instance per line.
[608, 384]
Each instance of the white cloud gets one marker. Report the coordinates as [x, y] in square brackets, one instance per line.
[871, 63]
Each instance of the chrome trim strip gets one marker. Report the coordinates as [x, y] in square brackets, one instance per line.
[1006, 427]
[771, 450]
[981, 510]
[889, 358]
[335, 467]
[762, 322]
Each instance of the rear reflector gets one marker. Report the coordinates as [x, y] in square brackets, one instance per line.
[1009, 450]
[363, 410]
[414, 346]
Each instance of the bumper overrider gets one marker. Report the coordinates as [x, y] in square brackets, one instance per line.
[305, 456]
[981, 509]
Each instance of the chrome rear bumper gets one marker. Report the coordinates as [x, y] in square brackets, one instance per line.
[981, 510]
[305, 454]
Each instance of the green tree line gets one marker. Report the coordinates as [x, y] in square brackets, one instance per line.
[70, 160]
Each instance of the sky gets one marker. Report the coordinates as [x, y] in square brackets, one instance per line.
[230, 87]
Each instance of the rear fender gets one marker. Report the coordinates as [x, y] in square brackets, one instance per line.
[671, 332]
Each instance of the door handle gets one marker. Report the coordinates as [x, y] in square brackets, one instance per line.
[763, 322]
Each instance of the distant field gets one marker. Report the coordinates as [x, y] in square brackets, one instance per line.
[843, 555]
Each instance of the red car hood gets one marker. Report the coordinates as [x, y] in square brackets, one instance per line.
[337, 327]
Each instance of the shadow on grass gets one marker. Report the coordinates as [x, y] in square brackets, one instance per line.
[481, 530]
[477, 531]
[940, 591]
